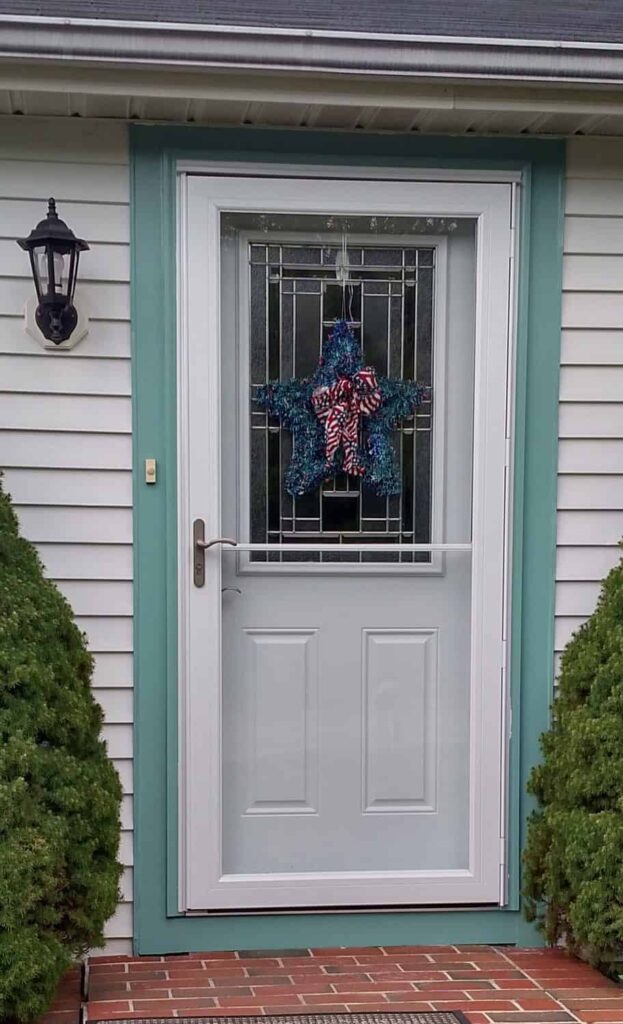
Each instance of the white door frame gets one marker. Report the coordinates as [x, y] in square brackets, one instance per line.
[203, 886]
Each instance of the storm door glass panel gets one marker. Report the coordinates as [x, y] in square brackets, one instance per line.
[381, 275]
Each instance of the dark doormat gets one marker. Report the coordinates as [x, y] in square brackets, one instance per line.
[406, 1017]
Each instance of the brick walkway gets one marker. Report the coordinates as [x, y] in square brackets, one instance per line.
[499, 985]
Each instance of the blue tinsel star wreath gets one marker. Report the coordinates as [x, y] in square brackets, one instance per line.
[290, 401]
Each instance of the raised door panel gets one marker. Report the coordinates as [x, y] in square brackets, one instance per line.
[280, 708]
[399, 735]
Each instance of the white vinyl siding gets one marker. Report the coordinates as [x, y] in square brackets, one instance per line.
[590, 482]
[65, 418]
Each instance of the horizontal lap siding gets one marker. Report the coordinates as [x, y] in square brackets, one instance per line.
[590, 482]
[65, 419]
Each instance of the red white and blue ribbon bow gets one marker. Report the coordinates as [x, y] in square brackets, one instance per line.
[340, 407]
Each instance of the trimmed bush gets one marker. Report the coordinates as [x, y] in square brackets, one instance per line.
[59, 794]
[574, 855]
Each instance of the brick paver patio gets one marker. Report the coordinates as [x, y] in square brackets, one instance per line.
[493, 985]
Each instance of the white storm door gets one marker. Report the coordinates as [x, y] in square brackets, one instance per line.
[341, 667]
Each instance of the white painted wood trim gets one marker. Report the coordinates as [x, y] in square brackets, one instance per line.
[509, 477]
[248, 169]
[183, 539]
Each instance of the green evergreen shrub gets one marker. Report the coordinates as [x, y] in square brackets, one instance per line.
[574, 854]
[59, 794]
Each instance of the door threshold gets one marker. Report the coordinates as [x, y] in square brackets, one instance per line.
[309, 911]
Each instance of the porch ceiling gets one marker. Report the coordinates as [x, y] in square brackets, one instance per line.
[302, 100]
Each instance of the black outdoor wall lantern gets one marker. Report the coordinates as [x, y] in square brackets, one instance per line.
[54, 253]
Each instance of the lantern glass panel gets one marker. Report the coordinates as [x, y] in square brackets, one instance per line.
[60, 271]
[71, 270]
[37, 257]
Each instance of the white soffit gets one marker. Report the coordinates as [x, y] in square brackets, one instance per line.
[299, 100]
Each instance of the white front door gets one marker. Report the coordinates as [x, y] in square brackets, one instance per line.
[341, 668]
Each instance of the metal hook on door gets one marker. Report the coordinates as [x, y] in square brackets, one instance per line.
[342, 271]
[235, 590]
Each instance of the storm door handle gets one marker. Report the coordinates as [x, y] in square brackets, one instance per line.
[200, 546]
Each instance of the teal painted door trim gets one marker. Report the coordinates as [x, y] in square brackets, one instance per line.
[159, 928]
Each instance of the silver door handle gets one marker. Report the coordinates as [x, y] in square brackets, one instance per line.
[205, 544]
[200, 546]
